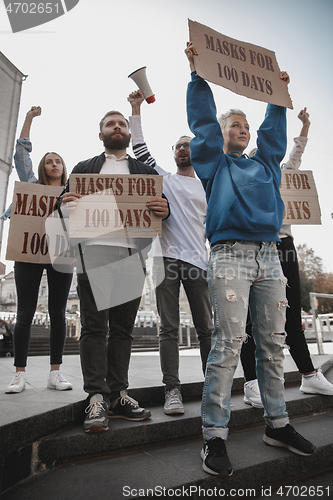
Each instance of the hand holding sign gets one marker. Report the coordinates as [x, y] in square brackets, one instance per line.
[69, 202]
[159, 206]
[190, 52]
[284, 77]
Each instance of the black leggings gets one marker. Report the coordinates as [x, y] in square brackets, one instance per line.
[27, 278]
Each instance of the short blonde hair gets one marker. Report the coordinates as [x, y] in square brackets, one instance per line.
[223, 118]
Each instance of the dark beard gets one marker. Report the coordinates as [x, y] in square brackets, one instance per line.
[184, 164]
[115, 143]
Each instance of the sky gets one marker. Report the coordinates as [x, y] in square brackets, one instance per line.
[78, 67]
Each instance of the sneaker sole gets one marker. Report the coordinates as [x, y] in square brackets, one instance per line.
[213, 472]
[14, 392]
[308, 391]
[250, 402]
[174, 411]
[58, 388]
[96, 428]
[132, 419]
[275, 442]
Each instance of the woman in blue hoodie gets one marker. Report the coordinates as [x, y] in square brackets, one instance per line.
[244, 217]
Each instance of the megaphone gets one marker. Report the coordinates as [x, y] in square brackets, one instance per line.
[140, 78]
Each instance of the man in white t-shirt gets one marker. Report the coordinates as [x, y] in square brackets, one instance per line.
[182, 255]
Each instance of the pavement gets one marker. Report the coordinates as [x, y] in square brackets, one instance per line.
[144, 373]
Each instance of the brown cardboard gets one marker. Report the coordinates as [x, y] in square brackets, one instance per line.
[2, 268]
[299, 194]
[243, 68]
[27, 238]
[114, 206]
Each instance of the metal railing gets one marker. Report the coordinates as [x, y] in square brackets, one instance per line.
[72, 323]
[317, 323]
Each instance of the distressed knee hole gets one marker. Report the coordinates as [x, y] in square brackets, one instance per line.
[222, 398]
[282, 304]
[279, 338]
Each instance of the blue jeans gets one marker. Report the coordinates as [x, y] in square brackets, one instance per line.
[242, 275]
[194, 280]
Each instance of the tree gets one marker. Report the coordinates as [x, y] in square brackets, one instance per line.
[306, 288]
[309, 263]
[324, 284]
[310, 269]
[313, 279]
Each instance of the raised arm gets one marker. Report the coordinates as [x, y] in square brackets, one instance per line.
[303, 115]
[207, 145]
[295, 157]
[272, 136]
[32, 113]
[22, 160]
[140, 148]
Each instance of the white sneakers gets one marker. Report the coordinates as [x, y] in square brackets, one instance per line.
[316, 384]
[18, 383]
[252, 394]
[55, 381]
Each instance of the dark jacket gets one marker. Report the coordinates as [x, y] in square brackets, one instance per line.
[94, 165]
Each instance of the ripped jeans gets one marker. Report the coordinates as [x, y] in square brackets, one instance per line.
[245, 274]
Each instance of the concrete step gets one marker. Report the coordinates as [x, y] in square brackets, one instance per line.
[30, 445]
[39, 346]
[35, 433]
[175, 470]
[144, 339]
[24, 431]
[73, 444]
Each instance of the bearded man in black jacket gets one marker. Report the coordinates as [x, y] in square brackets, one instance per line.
[110, 283]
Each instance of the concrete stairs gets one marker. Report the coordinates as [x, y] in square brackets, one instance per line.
[144, 339]
[162, 452]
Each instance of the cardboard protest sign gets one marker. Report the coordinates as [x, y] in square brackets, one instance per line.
[244, 68]
[28, 239]
[114, 206]
[2, 268]
[299, 194]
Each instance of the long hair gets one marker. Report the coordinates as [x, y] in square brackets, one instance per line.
[42, 179]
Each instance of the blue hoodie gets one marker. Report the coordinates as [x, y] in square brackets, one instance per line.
[243, 194]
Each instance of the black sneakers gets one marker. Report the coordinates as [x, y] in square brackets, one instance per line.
[287, 437]
[97, 418]
[215, 458]
[127, 408]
